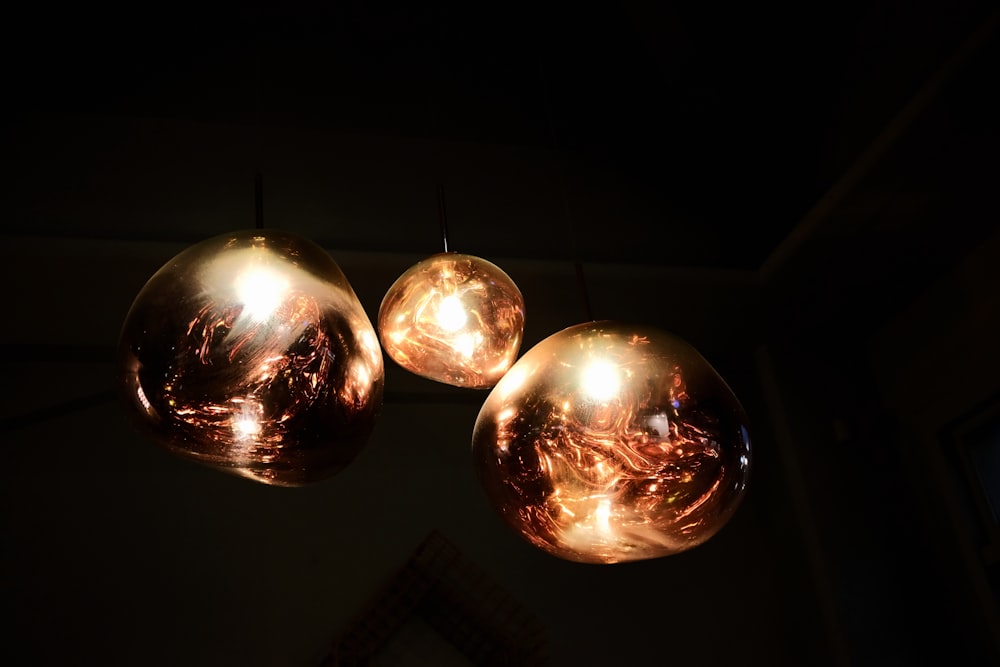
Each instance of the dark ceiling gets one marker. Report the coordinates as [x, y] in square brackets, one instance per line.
[730, 123]
[834, 160]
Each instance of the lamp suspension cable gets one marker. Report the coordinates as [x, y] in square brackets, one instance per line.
[443, 215]
[258, 200]
[452, 317]
[581, 281]
[258, 179]
[653, 446]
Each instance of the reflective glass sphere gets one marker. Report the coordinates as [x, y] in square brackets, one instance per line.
[250, 352]
[453, 318]
[607, 443]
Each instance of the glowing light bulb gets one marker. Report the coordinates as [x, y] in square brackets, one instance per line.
[608, 443]
[600, 380]
[451, 314]
[453, 318]
[262, 290]
[250, 352]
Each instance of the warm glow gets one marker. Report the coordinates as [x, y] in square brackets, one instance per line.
[368, 342]
[466, 345]
[261, 290]
[246, 427]
[451, 314]
[583, 455]
[453, 318]
[601, 380]
[246, 420]
[512, 381]
[275, 372]
[602, 516]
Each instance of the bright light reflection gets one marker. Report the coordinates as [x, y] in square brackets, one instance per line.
[658, 424]
[246, 425]
[261, 290]
[602, 516]
[466, 345]
[600, 380]
[361, 374]
[147, 406]
[451, 313]
[512, 381]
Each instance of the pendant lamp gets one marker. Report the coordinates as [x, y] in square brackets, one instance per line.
[453, 318]
[250, 352]
[608, 442]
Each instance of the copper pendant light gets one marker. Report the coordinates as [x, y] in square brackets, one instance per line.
[251, 353]
[453, 318]
[457, 319]
[607, 443]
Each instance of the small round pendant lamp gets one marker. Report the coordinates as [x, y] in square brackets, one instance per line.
[454, 318]
[608, 442]
[250, 352]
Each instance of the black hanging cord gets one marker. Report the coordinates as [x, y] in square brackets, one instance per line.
[584, 294]
[443, 213]
[258, 179]
[258, 199]
[574, 243]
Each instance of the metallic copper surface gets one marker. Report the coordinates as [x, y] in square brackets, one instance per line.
[251, 353]
[453, 318]
[608, 443]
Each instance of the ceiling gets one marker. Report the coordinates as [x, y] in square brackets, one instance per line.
[677, 134]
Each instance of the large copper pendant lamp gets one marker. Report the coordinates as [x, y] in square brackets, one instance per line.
[251, 353]
[453, 318]
[608, 442]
